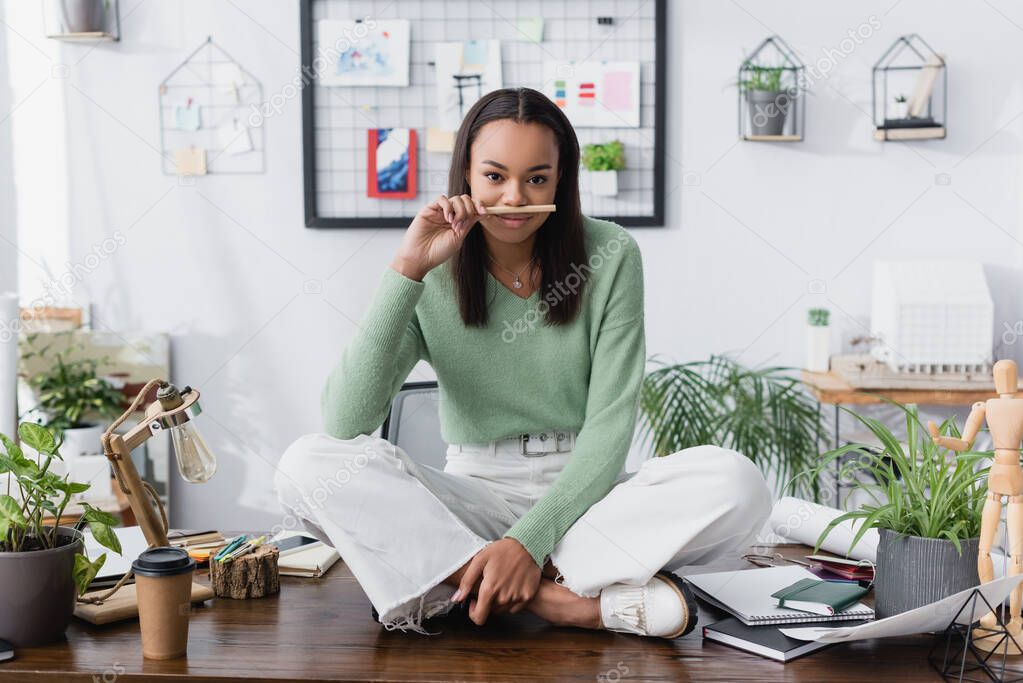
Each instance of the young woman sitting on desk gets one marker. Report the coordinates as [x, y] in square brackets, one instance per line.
[533, 323]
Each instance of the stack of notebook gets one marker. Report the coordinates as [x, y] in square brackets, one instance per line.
[750, 596]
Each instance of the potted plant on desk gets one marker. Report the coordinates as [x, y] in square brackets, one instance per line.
[73, 399]
[42, 568]
[926, 503]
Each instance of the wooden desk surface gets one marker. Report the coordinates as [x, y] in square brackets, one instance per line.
[832, 388]
[321, 630]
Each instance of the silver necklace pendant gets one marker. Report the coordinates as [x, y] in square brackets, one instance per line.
[518, 283]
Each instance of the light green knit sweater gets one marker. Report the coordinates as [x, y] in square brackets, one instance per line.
[516, 375]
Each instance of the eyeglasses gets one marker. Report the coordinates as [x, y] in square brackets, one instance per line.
[775, 560]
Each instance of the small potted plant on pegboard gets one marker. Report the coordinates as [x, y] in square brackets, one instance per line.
[601, 163]
[818, 340]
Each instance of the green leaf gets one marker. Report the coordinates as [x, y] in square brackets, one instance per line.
[38, 437]
[92, 514]
[13, 449]
[10, 513]
[105, 536]
[85, 571]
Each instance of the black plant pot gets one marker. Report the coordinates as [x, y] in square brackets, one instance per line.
[37, 591]
[914, 571]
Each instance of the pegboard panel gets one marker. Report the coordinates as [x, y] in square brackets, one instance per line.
[336, 118]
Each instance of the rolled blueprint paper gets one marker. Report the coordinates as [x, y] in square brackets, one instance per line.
[802, 521]
[9, 325]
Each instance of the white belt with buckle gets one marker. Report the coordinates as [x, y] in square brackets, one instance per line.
[541, 443]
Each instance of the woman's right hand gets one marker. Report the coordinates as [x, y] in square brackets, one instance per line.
[435, 234]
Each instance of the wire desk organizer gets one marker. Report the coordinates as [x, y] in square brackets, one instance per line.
[206, 106]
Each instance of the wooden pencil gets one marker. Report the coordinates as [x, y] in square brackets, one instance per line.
[530, 208]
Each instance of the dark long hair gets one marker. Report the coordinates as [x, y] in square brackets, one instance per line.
[559, 241]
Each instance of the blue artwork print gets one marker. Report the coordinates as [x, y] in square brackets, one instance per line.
[394, 176]
[359, 53]
[365, 61]
[392, 163]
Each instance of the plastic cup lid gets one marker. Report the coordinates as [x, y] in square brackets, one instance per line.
[163, 562]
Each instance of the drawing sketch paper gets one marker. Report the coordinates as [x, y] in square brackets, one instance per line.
[466, 71]
[360, 55]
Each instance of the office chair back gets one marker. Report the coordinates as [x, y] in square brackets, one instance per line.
[414, 423]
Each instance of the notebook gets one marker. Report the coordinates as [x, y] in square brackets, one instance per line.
[133, 542]
[311, 563]
[747, 595]
[766, 641]
[820, 597]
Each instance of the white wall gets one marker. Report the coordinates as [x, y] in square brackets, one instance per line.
[224, 265]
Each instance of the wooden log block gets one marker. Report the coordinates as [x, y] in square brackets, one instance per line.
[253, 575]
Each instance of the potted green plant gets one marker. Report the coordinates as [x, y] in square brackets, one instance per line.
[767, 97]
[926, 503]
[900, 108]
[72, 398]
[763, 413]
[601, 163]
[818, 340]
[42, 568]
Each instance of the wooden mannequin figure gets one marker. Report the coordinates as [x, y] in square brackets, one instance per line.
[1005, 422]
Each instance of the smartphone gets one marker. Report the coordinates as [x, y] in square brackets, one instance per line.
[293, 543]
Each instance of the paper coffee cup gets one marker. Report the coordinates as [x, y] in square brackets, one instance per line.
[163, 583]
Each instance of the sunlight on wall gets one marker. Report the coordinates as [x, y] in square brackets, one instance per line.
[39, 158]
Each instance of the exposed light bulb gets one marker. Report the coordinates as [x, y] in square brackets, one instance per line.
[195, 461]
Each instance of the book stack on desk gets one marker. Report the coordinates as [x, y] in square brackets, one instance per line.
[753, 597]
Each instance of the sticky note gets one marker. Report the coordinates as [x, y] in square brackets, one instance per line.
[530, 29]
[617, 94]
[439, 140]
[474, 53]
[186, 116]
[190, 161]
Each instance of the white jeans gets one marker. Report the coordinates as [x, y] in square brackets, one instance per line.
[404, 527]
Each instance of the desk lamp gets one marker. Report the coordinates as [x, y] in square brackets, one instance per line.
[172, 410]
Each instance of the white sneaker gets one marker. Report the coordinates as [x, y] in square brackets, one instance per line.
[664, 607]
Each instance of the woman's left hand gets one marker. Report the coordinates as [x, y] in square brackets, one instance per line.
[508, 579]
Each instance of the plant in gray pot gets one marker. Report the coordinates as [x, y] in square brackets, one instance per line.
[42, 567]
[768, 100]
[926, 503]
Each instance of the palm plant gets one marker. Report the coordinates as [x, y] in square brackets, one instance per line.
[763, 413]
[921, 489]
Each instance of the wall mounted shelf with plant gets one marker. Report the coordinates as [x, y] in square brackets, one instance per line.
[910, 91]
[82, 21]
[772, 106]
